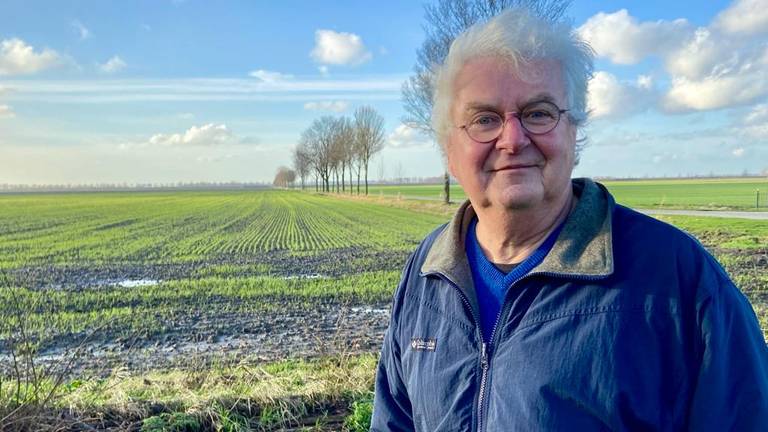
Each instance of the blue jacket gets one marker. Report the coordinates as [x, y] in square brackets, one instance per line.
[627, 324]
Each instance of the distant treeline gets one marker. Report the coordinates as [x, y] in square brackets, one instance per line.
[107, 187]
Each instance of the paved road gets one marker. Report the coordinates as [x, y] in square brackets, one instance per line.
[707, 213]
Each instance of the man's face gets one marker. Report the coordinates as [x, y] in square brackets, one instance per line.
[518, 170]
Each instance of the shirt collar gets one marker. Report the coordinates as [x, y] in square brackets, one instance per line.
[583, 248]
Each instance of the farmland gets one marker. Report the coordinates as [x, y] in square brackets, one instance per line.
[704, 194]
[183, 302]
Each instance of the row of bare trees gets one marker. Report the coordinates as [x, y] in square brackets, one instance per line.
[332, 147]
[284, 177]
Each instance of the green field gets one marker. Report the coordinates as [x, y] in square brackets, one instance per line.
[261, 308]
[701, 194]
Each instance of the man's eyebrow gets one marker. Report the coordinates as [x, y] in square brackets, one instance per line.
[484, 106]
[479, 106]
[542, 97]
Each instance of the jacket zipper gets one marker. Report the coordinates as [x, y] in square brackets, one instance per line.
[483, 380]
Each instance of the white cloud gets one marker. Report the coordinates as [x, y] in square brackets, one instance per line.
[622, 39]
[704, 53]
[206, 135]
[607, 97]
[16, 57]
[270, 76]
[339, 48]
[708, 67]
[185, 116]
[755, 124]
[113, 65]
[81, 30]
[6, 112]
[739, 152]
[206, 89]
[335, 106]
[741, 88]
[404, 136]
[745, 17]
[323, 70]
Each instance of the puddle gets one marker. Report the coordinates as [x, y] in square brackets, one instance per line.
[307, 276]
[369, 310]
[135, 283]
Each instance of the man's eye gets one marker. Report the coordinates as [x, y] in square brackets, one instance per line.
[538, 115]
[486, 120]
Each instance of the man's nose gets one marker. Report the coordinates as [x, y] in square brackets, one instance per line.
[513, 137]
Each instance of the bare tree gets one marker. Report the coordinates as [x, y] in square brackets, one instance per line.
[341, 149]
[369, 139]
[319, 139]
[444, 20]
[302, 162]
[284, 177]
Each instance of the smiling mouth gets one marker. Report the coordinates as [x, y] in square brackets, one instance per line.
[513, 167]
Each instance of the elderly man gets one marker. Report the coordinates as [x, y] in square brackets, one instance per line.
[543, 305]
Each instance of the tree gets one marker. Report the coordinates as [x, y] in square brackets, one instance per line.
[318, 139]
[369, 139]
[445, 20]
[284, 177]
[302, 162]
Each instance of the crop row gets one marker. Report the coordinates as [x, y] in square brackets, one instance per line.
[76, 229]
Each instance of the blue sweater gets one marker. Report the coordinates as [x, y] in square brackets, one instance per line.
[491, 284]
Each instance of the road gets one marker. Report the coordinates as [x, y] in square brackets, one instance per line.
[708, 213]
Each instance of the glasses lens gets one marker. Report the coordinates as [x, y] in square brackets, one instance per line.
[485, 127]
[540, 117]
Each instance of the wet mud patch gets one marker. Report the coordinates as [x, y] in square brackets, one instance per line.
[204, 336]
[279, 263]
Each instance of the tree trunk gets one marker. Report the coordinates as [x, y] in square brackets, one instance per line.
[366, 178]
[350, 177]
[358, 182]
[343, 179]
[447, 188]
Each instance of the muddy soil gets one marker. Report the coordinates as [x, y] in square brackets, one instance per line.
[203, 337]
[279, 263]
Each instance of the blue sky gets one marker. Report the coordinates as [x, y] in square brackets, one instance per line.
[168, 90]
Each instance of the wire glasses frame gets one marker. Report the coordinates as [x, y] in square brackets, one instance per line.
[536, 118]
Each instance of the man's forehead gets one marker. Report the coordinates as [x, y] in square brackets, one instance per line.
[494, 103]
[495, 81]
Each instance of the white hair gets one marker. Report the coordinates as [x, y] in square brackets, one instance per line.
[517, 38]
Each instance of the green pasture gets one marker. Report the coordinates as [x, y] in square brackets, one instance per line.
[701, 194]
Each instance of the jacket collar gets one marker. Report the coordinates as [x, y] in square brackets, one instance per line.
[583, 248]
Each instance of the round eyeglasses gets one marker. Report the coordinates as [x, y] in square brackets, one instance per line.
[536, 118]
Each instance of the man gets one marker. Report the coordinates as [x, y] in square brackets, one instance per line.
[543, 305]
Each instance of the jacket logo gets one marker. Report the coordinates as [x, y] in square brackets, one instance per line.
[422, 344]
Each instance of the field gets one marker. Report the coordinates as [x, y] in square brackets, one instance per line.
[700, 194]
[254, 309]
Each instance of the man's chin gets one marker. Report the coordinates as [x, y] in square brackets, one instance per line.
[519, 198]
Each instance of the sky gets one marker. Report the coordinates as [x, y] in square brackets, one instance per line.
[164, 91]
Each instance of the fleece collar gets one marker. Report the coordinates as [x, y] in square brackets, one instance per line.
[583, 248]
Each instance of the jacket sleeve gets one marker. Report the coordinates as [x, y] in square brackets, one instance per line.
[391, 406]
[731, 392]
